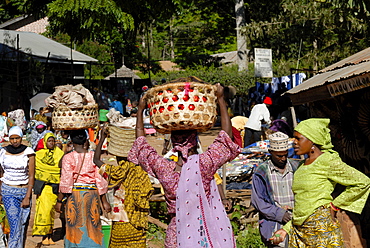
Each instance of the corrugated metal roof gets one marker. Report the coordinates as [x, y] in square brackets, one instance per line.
[13, 21]
[332, 76]
[356, 58]
[40, 46]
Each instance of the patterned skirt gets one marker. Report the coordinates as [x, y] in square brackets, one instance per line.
[123, 234]
[83, 226]
[44, 217]
[18, 217]
[318, 231]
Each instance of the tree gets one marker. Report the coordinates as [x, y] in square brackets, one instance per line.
[87, 19]
[241, 39]
[308, 32]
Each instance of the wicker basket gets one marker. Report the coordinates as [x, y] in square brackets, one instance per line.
[64, 118]
[121, 140]
[182, 106]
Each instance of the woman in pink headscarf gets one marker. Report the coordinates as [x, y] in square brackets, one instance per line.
[193, 201]
[37, 134]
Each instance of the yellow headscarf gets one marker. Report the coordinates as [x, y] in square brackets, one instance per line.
[317, 130]
[47, 162]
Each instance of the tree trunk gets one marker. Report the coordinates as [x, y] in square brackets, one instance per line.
[241, 39]
[172, 46]
[315, 67]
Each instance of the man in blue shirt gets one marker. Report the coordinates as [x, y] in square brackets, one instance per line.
[272, 193]
[117, 105]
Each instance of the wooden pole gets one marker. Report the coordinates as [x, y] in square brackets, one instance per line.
[292, 110]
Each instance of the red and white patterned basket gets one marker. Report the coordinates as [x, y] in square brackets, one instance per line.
[182, 106]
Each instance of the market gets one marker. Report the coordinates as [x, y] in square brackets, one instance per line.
[169, 124]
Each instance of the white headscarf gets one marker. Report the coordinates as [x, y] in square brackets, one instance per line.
[16, 131]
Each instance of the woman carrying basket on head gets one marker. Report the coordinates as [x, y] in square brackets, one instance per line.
[47, 178]
[314, 222]
[193, 201]
[81, 180]
[17, 177]
[129, 192]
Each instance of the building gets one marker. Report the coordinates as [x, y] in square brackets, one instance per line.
[31, 63]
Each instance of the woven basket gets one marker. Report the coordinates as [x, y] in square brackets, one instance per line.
[182, 106]
[121, 140]
[64, 118]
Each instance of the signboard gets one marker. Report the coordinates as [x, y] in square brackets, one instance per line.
[262, 62]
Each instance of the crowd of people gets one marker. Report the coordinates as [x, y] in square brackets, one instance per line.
[294, 198]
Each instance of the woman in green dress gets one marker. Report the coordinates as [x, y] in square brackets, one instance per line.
[314, 222]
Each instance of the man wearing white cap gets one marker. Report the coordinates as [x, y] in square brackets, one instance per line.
[272, 192]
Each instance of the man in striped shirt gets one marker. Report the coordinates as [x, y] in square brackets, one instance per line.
[272, 193]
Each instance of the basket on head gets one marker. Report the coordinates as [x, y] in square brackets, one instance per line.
[182, 106]
[65, 118]
[121, 140]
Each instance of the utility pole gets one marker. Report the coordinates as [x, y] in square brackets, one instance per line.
[241, 39]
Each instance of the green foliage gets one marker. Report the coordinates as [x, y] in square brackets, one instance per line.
[155, 234]
[8, 11]
[101, 53]
[94, 49]
[249, 238]
[235, 218]
[308, 34]
[246, 236]
[87, 18]
[301, 33]
[226, 76]
[159, 211]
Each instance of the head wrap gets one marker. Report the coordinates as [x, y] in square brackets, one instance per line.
[15, 131]
[317, 130]
[10, 148]
[280, 125]
[47, 160]
[36, 136]
[278, 141]
[40, 123]
[46, 137]
[184, 141]
[267, 100]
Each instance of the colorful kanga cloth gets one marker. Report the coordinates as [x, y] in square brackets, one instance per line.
[17, 216]
[200, 222]
[47, 163]
[221, 151]
[317, 231]
[125, 235]
[83, 226]
[36, 136]
[44, 218]
[46, 170]
[131, 189]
